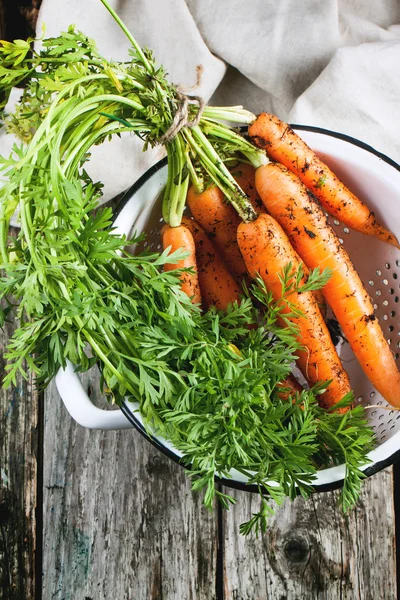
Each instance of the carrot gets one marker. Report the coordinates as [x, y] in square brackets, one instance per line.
[245, 176]
[287, 199]
[220, 220]
[180, 237]
[267, 251]
[286, 147]
[319, 296]
[288, 387]
[218, 287]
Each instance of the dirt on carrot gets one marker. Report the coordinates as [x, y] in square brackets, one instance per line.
[245, 176]
[220, 220]
[176, 238]
[285, 146]
[267, 251]
[218, 287]
[287, 199]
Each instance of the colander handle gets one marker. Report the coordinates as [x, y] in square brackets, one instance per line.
[81, 408]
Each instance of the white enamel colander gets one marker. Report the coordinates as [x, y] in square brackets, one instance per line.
[376, 180]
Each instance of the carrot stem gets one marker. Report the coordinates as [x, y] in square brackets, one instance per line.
[197, 181]
[166, 205]
[178, 177]
[257, 157]
[179, 183]
[238, 114]
[218, 172]
[129, 36]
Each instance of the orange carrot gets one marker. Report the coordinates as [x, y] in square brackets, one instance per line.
[245, 176]
[180, 237]
[319, 296]
[267, 251]
[288, 387]
[286, 147]
[287, 199]
[218, 287]
[220, 220]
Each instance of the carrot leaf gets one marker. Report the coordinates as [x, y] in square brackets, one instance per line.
[316, 280]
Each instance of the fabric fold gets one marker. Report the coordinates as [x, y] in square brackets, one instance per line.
[335, 64]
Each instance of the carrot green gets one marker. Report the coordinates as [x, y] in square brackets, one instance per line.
[206, 382]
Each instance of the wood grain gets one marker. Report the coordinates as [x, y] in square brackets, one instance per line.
[18, 484]
[2, 20]
[120, 520]
[312, 551]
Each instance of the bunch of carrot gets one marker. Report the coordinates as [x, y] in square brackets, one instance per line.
[290, 227]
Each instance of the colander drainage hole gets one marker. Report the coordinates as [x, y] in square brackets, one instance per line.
[374, 413]
[385, 281]
[379, 272]
[385, 303]
[360, 399]
[372, 395]
[387, 265]
[371, 283]
[381, 417]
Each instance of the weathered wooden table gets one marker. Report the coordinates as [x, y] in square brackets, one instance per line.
[88, 515]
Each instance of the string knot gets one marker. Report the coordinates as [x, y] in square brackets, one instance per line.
[181, 117]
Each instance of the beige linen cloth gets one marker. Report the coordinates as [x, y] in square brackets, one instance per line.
[330, 63]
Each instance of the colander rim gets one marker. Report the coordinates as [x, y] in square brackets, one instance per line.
[234, 484]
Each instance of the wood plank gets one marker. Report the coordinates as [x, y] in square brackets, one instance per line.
[312, 551]
[120, 520]
[2, 21]
[18, 484]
